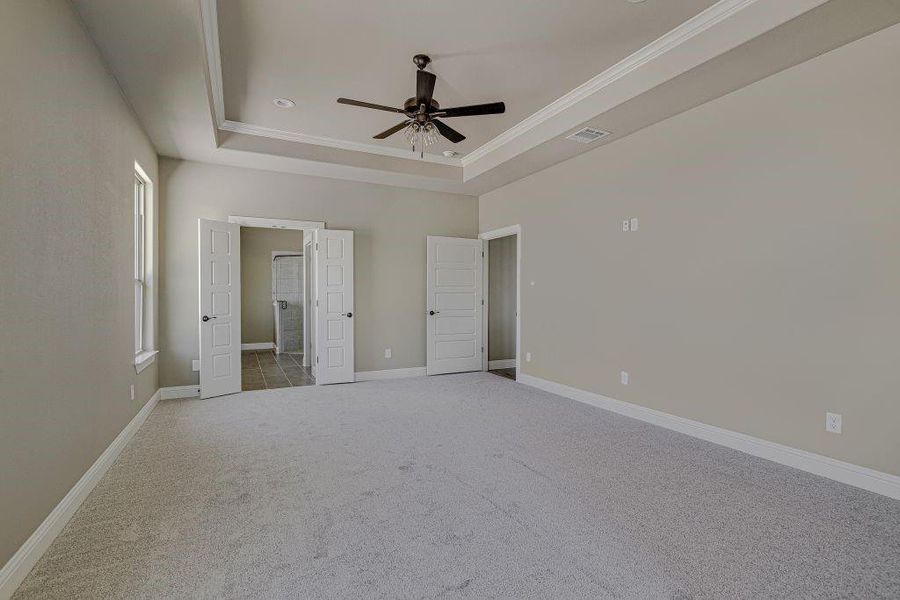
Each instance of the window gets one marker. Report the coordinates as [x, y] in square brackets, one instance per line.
[143, 254]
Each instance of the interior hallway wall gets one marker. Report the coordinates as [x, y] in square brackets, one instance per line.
[389, 225]
[257, 245]
[68, 143]
[502, 298]
[763, 284]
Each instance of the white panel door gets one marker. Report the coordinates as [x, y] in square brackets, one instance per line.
[453, 305]
[334, 317]
[220, 308]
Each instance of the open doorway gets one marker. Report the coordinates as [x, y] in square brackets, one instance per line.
[502, 249]
[255, 304]
[272, 308]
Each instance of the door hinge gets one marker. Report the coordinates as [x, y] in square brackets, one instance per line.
[482, 254]
[317, 359]
[317, 303]
[317, 245]
[482, 301]
[482, 349]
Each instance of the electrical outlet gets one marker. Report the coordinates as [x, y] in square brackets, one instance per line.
[626, 225]
[132, 391]
[387, 352]
[832, 422]
[623, 376]
[195, 365]
[528, 357]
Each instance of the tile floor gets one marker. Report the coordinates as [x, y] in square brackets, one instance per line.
[265, 370]
[508, 373]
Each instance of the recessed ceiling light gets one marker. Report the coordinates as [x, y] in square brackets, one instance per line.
[284, 103]
[635, 1]
[451, 153]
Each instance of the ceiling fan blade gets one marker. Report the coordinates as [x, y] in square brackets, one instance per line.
[424, 87]
[370, 105]
[391, 131]
[448, 132]
[492, 108]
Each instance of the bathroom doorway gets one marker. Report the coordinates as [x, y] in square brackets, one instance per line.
[274, 303]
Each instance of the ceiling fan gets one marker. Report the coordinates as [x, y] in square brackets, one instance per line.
[422, 111]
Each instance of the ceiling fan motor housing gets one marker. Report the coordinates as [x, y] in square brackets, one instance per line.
[412, 106]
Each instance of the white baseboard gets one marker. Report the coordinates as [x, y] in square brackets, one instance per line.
[21, 563]
[506, 363]
[390, 374]
[258, 346]
[179, 391]
[855, 475]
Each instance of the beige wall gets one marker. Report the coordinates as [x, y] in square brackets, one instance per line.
[389, 224]
[257, 245]
[762, 288]
[502, 298]
[68, 143]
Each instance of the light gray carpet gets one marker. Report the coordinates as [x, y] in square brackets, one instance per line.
[460, 486]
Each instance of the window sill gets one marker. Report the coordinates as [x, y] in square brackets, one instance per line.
[144, 359]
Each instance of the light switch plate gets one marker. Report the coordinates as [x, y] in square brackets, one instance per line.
[623, 376]
[195, 365]
[387, 352]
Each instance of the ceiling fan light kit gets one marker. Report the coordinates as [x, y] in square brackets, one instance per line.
[422, 127]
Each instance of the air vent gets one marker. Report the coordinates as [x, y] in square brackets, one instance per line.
[587, 135]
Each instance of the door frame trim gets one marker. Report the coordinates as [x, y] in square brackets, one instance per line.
[308, 304]
[269, 223]
[486, 236]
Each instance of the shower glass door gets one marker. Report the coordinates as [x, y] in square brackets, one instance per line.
[287, 292]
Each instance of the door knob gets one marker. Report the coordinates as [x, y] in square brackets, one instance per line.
[349, 314]
[205, 318]
[433, 312]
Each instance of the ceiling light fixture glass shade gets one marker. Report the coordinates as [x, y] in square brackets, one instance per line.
[420, 135]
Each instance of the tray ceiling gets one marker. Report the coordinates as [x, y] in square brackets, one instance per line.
[201, 74]
[525, 53]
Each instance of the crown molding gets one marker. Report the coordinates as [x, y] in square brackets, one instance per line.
[209, 18]
[303, 138]
[209, 21]
[716, 13]
[693, 42]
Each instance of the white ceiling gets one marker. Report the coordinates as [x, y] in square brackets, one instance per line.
[525, 53]
[201, 74]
